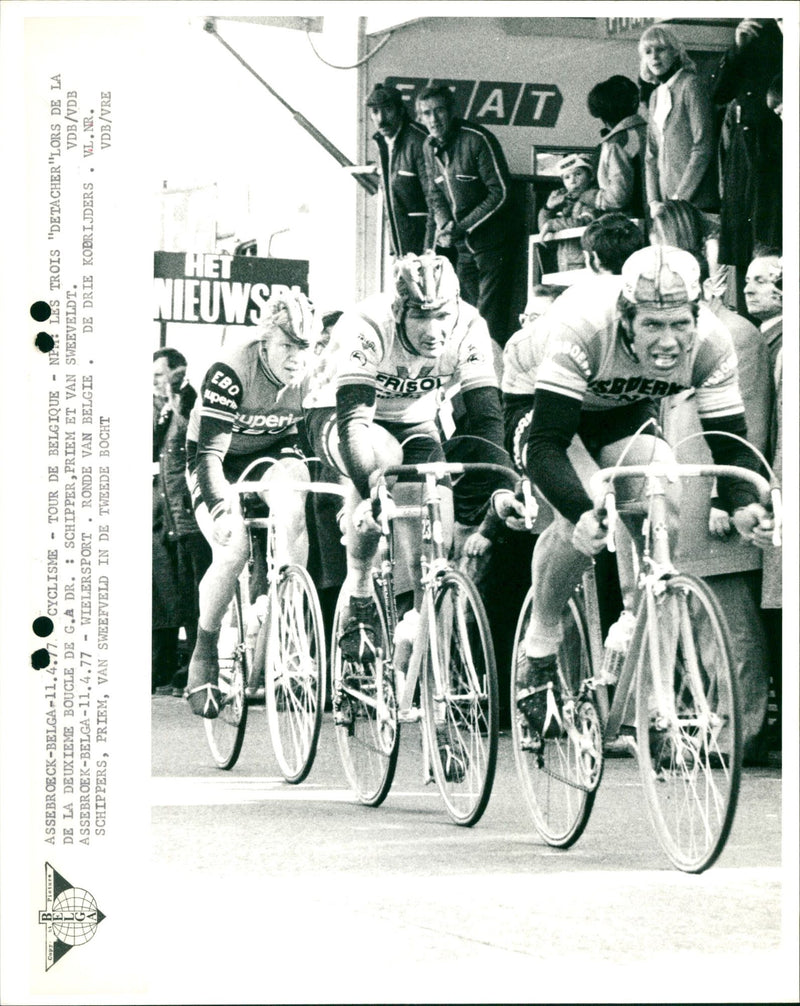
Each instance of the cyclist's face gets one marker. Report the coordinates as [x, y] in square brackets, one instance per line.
[287, 360]
[427, 331]
[663, 336]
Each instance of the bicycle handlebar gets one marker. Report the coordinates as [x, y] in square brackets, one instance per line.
[442, 468]
[768, 495]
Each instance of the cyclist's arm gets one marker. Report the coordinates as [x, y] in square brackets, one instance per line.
[219, 404]
[553, 424]
[484, 416]
[355, 411]
[732, 493]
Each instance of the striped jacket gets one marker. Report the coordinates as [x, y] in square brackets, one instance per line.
[469, 182]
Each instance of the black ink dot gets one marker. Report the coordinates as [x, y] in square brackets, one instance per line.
[39, 659]
[40, 310]
[44, 342]
[42, 625]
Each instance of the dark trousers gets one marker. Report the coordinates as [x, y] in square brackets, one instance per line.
[486, 279]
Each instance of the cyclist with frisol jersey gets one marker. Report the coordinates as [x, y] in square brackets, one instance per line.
[249, 407]
[608, 360]
[389, 362]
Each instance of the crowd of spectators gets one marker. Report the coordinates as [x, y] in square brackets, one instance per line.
[683, 160]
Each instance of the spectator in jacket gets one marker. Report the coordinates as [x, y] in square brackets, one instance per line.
[402, 169]
[469, 212]
[181, 554]
[679, 159]
[751, 154]
[620, 169]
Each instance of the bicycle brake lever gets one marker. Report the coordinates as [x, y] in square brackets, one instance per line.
[531, 506]
[611, 521]
[777, 515]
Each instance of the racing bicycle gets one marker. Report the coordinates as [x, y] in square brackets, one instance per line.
[686, 728]
[450, 682]
[272, 634]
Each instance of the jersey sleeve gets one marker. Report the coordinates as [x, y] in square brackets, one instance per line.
[567, 365]
[715, 374]
[475, 361]
[361, 349]
[220, 400]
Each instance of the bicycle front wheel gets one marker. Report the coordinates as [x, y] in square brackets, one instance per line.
[459, 698]
[225, 733]
[365, 714]
[559, 775]
[295, 672]
[688, 723]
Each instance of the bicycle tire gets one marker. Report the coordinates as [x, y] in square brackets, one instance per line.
[560, 779]
[465, 716]
[369, 744]
[690, 759]
[225, 733]
[295, 672]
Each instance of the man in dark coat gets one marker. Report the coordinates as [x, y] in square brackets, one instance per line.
[402, 169]
[470, 214]
[181, 554]
[751, 150]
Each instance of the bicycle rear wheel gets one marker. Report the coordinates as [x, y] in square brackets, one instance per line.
[225, 733]
[460, 708]
[560, 775]
[365, 708]
[690, 747]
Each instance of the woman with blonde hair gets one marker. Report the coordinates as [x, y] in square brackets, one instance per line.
[680, 158]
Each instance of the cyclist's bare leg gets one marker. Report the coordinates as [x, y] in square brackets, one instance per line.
[362, 543]
[215, 592]
[219, 582]
[291, 544]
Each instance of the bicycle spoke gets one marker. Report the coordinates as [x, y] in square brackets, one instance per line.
[560, 775]
[295, 673]
[690, 749]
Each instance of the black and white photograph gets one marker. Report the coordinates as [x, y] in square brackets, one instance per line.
[458, 329]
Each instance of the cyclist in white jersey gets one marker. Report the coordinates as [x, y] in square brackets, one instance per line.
[389, 362]
[249, 407]
[607, 363]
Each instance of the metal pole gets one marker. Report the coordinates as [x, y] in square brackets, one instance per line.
[369, 182]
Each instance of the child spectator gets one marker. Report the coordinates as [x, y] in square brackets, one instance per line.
[620, 171]
[573, 205]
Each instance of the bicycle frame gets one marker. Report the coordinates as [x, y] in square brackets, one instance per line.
[656, 567]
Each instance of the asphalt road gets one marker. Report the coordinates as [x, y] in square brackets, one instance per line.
[298, 894]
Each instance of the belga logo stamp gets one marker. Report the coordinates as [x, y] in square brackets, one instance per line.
[70, 916]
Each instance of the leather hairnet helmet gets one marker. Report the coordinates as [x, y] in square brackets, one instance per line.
[293, 313]
[661, 276]
[426, 281]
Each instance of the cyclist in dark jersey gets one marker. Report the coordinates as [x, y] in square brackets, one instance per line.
[607, 363]
[249, 407]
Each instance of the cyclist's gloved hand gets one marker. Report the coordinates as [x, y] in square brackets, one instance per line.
[226, 525]
[364, 519]
[754, 524]
[719, 522]
[589, 535]
[509, 509]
